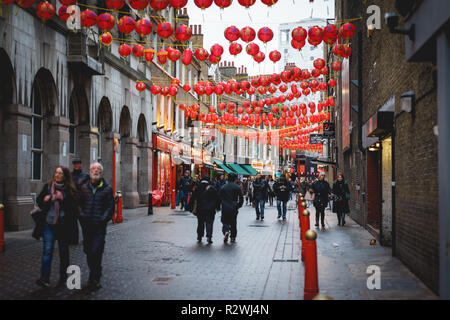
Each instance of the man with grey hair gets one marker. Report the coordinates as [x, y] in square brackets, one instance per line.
[97, 208]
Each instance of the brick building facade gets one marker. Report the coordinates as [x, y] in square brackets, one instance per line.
[393, 173]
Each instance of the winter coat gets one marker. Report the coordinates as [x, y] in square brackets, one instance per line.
[79, 177]
[342, 195]
[304, 186]
[187, 184]
[260, 190]
[67, 229]
[282, 190]
[220, 184]
[321, 192]
[231, 199]
[207, 200]
[97, 204]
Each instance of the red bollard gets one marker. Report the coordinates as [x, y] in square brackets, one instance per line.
[305, 227]
[119, 218]
[2, 231]
[311, 276]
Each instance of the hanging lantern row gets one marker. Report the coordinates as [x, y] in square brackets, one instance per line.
[248, 34]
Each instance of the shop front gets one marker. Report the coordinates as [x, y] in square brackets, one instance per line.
[164, 170]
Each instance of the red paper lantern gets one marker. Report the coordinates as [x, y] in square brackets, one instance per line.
[63, 2]
[297, 44]
[252, 49]
[203, 4]
[201, 54]
[275, 56]
[262, 90]
[315, 73]
[183, 33]
[88, 18]
[187, 88]
[159, 5]
[113, 4]
[315, 35]
[62, 13]
[347, 31]
[299, 34]
[217, 50]
[332, 83]
[319, 63]
[126, 24]
[105, 38]
[173, 54]
[143, 27]
[162, 56]
[323, 86]
[155, 90]
[269, 3]
[178, 4]
[222, 4]
[124, 50]
[218, 89]
[336, 66]
[106, 21]
[27, 3]
[246, 3]
[324, 71]
[45, 11]
[164, 30]
[339, 50]
[187, 56]
[275, 78]
[140, 86]
[149, 53]
[235, 48]
[232, 33]
[247, 34]
[214, 59]
[347, 53]
[138, 5]
[138, 50]
[265, 34]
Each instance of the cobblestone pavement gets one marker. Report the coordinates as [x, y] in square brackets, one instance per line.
[157, 257]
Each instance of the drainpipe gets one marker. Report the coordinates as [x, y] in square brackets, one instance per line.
[360, 125]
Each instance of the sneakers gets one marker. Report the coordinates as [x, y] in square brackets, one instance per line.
[42, 283]
[284, 218]
[210, 240]
[257, 218]
[225, 238]
[199, 239]
[317, 225]
[278, 217]
[262, 218]
[233, 240]
[343, 222]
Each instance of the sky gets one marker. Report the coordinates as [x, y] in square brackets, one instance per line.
[215, 20]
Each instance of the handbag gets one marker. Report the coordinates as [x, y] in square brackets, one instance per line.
[35, 210]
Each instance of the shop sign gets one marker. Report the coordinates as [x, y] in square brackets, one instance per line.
[164, 144]
[315, 139]
[197, 155]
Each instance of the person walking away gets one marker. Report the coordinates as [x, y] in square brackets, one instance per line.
[220, 183]
[207, 203]
[97, 208]
[231, 199]
[282, 188]
[260, 194]
[58, 202]
[321, 190]
[250, 192]
[271, 182]
[245, 189]
[78, 176]
[186, 186]
[341, 195]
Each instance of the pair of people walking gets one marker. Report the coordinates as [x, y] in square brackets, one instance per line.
[340, 194]
[61, 204]
[207, 199]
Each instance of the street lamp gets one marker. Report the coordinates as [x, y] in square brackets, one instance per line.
[408, 100]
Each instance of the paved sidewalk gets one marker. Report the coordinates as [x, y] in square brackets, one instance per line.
[157, 257]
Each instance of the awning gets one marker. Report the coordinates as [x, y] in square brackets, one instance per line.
[238, 169]
[208, 165]
[224, 167]
[251, 171]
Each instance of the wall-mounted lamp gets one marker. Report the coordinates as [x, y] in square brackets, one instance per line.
[375, 147]
[391, 19]
[408, 101]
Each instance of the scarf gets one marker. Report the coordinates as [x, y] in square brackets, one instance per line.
[56, 198]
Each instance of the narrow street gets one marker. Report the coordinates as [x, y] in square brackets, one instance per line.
[157, 257]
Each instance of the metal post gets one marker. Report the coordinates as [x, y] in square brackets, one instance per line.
[150, 204]
[2, 231]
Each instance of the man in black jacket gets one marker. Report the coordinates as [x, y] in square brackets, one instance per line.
[97, 208]
[231, 199]
[282, 189]
[78, 176]
[322, 191]
[260, 195]
[186, 186]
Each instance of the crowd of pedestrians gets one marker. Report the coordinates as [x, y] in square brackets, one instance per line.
[229, 195]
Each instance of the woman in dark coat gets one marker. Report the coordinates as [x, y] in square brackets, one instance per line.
[341, 196]
[58, 201]
[205, 195]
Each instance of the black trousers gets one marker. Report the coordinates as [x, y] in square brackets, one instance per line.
[205, 223]
[341, 217]
[230, 226]
[93, 246]
[320, 211]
